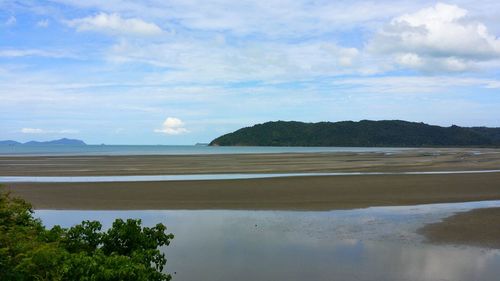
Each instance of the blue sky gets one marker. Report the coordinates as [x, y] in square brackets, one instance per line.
[181, 72]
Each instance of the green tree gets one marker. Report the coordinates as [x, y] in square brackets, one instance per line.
[29, 251]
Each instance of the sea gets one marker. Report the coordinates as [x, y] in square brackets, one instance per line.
[54, 150]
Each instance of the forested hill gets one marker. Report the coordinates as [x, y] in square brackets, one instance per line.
[366, 133]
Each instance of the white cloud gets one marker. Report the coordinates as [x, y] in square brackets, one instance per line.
[32, 131]
[14, 53]
[42, 131]
[67, 131]
[43, 23]
[441, 37]
[11, 21]
[172, 126]
[410, 60]
[412, 84]
[115, 24]
[201, 61]
[272, 18]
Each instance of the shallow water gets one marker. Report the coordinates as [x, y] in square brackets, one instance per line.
[363, 244]
[190, 177]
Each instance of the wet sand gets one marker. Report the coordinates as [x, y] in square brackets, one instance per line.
[480, 227]
[290, 193]
[431, 159]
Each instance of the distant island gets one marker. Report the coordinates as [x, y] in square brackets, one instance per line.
[63, 141]
[365, 133]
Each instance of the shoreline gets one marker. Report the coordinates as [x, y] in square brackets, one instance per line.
[287, 193]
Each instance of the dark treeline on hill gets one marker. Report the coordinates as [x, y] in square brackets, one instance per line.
[365, 133]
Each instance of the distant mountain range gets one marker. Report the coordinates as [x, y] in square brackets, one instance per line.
[63, 141]
[365, 133]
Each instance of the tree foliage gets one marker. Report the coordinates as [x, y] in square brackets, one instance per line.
[364, 133]
[29, 251]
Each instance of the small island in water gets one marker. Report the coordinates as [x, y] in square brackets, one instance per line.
[63, 141]
[365, 133]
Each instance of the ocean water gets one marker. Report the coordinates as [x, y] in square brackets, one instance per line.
[378, 243]
[41, 150]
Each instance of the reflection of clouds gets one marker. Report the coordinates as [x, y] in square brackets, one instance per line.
[448, 263]
[363, 244]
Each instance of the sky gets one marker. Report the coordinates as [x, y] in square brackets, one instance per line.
[182, 72]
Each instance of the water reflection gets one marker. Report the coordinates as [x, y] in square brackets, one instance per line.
[364, 244]
[190, 177]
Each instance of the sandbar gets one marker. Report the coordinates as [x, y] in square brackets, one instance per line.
[288, 193]
[479, 227]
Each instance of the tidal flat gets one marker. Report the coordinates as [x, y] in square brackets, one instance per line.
[292, 195]
[381, 160]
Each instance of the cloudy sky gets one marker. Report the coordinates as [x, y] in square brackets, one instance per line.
[181, 72]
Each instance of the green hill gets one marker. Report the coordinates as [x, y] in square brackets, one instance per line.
[365, 133]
